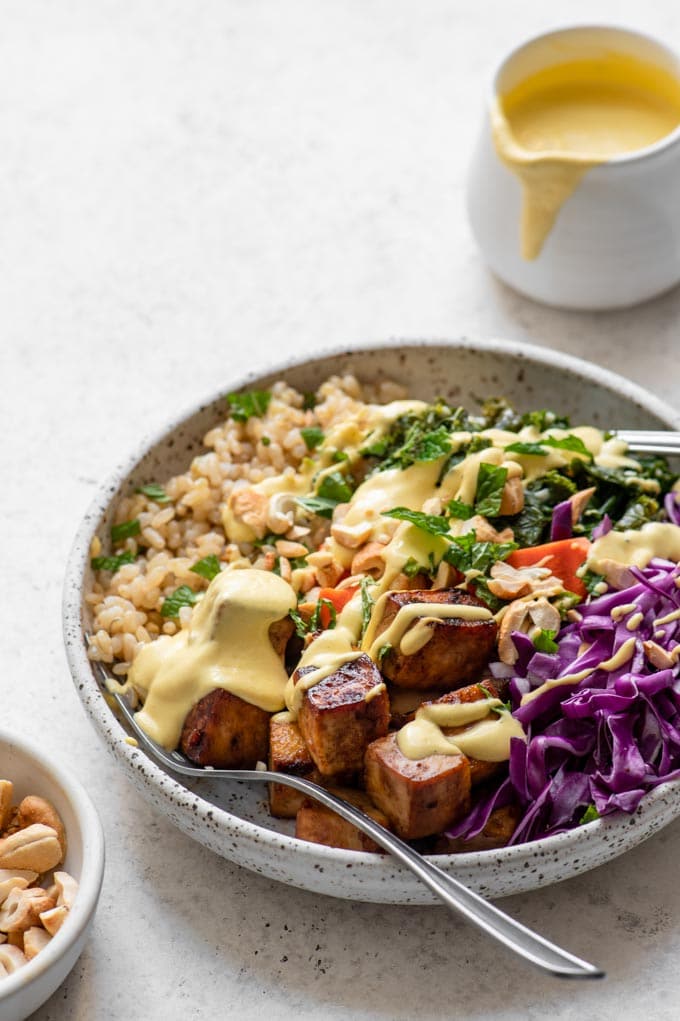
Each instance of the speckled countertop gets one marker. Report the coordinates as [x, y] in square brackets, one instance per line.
[189, 191]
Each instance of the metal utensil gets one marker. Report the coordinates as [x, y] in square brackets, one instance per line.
[650, 441]
[454, 894]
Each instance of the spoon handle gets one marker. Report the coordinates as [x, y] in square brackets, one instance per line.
[512, 934]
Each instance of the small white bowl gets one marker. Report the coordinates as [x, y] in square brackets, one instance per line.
[22, 992]
[615, 240]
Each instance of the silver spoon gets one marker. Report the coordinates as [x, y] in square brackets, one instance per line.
[454, 894]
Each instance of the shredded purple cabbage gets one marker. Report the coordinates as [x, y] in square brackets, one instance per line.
[671, 505]
[604, 740]
[560, 525]
[605, 526]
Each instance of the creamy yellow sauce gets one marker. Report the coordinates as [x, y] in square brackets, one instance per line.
[486, 736]
[557, 124]
[226, 646]
[635, 548]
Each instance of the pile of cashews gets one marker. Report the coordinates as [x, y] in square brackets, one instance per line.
[34, 899]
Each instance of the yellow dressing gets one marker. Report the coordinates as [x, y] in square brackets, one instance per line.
[635, 548]
[558, 123]
[226, 646]
[486, 735]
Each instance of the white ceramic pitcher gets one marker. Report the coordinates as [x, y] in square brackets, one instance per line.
[616, 240]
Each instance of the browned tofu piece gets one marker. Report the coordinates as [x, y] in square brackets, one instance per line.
[500, 827]
[288, 753]
[404, 702]
[279, 634]
[225, 732]
[419, 796]
[322, 825]
[457, 652]
[342, 714]
[479, 770]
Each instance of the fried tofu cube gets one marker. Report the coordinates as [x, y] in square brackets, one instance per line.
[420, 797]
[457, 650]
[322, 825]
[342, 714]
[288, 753]
[223, 731]
[499, 828]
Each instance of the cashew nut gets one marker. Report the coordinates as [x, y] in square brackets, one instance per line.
[23, 908]
[11, 878]
[35, 939]
[67, 888]
[38, 810]
[54, 918]
[36, 848]
[6, 793]
[11, 958]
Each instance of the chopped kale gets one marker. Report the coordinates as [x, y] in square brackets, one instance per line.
[466, 554]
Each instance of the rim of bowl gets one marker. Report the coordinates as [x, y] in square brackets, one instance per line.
[92, 872]
[167, 788]
[623, 159]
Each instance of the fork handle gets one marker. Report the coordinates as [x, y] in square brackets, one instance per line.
[454, 894]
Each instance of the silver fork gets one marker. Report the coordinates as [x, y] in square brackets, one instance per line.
[650, 441]
[452, 892]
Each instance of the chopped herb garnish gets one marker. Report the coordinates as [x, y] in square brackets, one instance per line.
[301, 625]
[265, 441]
[591, 581]
[248, 405]
[460, 510]
[334, 487]
[208, 567]
[590, 815]
[339, 456]
[367, 604]
[535, 449]
[490, 482]
[573, 443]
[112, 563]
[543, 420]
[429, 523]
[316, 622]
[544, 641]
[309, 401]
[125, 530]
[383, 650]
[182, 596]
[317, 505]
[154, 492]
[412, 567]
[313, 436]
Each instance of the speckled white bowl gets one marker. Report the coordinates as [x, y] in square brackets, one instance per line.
[22, 762]
[230, 818]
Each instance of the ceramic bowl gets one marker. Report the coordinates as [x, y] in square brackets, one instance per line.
[22, 762]
[615, 240]
[231, 818]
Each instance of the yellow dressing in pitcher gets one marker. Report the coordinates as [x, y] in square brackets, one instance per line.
[560, 122]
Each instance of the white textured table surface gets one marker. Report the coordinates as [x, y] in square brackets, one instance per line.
[189, 191]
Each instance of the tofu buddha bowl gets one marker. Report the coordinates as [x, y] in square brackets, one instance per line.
[461, 612]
